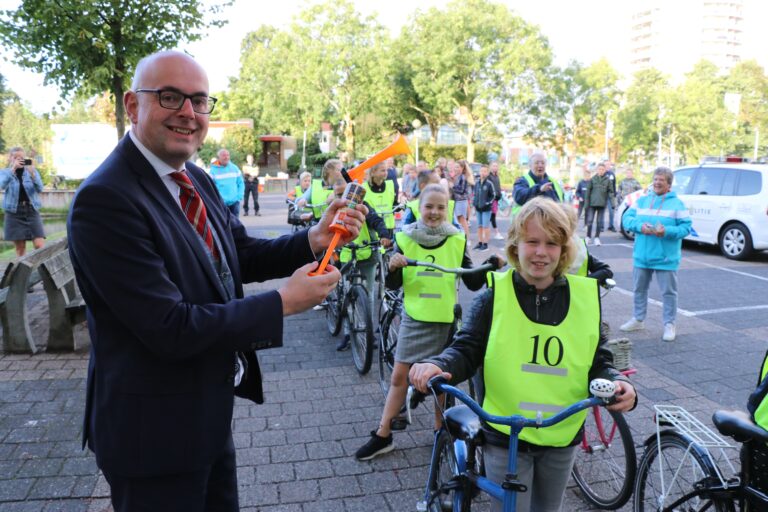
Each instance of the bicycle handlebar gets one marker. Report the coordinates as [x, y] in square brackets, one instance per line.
[460, 271]
[602, 389]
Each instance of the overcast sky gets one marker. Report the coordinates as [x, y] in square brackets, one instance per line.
[585, 31]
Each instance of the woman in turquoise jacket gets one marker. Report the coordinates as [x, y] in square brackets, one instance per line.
[22, 186]
[660, 221]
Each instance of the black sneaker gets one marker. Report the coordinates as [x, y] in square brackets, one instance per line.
[343, 344]
[375, 446]
[484, 247]
[477, 247]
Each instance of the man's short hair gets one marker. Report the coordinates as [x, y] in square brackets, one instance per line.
[423, 177]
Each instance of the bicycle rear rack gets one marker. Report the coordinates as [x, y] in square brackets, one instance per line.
[700, 434]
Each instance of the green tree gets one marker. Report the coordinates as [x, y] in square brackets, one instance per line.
[643, 114]
[3, 94]
[240, 141]
[92, 46]
[23, 128]
[748, 79]
[476, 59]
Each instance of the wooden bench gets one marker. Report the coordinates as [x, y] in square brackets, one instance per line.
[66, 306]
[50, 265]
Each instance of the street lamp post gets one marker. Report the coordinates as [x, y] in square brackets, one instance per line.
[416, 126]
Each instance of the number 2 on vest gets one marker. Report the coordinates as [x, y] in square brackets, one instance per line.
[547, 350]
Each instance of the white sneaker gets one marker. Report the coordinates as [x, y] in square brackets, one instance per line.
[669, 332]
[498, 236]
[633, 325]
[588, 240]
[597, 241]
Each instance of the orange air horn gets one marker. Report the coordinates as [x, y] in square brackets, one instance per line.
[398, 147]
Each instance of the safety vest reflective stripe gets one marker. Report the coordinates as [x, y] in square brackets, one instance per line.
[319, 195]
[431, 299]
[533, 368]
[531, 182]
[382, 201]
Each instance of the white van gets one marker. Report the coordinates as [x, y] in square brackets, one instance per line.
[728, 204]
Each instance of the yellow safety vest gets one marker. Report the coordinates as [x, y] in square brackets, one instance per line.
[429, 295]
[531, 182]
[414, 206]
[319, 195]
[297, 190]
[531, 367]
[382, 201]
[361, 254]
[761, 413]
[583, 268]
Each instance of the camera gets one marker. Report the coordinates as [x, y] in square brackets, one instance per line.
[27, 161]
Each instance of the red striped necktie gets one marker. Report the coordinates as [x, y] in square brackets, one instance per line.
[194, 209]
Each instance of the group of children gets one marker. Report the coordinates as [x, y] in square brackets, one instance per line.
[545, 294]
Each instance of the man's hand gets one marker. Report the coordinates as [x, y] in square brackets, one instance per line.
[320, 234]
[421, 373]
[386, 242]
[660, 230]
[303, 291]
[647, 229]
[625, 397]
[546, 187]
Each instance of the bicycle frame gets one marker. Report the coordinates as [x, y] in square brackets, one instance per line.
[507, 491]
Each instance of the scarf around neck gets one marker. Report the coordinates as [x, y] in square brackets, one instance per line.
[427, 236]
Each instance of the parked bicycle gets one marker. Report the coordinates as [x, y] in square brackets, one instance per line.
[391, 314]
[301, 218]
[454, 478]
[678, 471]
[349, 302]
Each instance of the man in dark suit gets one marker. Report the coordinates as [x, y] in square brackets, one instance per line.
[173, 337]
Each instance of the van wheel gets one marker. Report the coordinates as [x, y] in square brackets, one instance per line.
[736, 242]
[629, 235]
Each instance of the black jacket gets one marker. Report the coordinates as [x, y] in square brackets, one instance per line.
[485, 194]
[465, 355]
[523, 192]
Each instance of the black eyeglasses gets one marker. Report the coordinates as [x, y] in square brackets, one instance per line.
[174, 100]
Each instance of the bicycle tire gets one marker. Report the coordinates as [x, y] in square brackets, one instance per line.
[387, 347]
[691, 466]
[606, 463]
[444, 467]
[360, 328]
[333, 311]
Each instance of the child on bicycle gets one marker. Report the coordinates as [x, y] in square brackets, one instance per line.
[320, 191]
[373, 224]
[428, 299]
[423, 179]
[537, 333]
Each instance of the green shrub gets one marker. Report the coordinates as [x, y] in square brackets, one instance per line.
[430, 154]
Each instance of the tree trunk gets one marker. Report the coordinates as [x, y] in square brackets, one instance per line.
[117, 90]
[434, 128]
[349, 137]
[471, 127]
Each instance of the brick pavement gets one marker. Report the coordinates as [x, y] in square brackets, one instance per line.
[295, 451]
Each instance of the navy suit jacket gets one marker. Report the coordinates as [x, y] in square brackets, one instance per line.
[163, 336]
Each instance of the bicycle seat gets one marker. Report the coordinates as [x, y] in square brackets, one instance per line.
[463, 424]
[738, 425]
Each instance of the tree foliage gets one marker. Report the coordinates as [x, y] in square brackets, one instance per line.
[642, 116]
[24, 129]
[92, 46]
[748, 79]
[477, 58]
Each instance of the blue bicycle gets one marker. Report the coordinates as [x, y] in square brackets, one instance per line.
[455, 472]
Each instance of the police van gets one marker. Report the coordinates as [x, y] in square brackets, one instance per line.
[728, 204]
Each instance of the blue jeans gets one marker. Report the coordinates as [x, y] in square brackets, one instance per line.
[609, 208]
[484, 219]
[235, 208]
[667, 281]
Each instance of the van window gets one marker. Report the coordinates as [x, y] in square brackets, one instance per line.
[729, 182]
[682, 181]
[709, 181]
[750, 183]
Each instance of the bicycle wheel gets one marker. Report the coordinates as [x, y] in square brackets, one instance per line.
[606, 462]
[387, 347]
[360, 324]
[681, 466]
[444, 468]
[333, 311]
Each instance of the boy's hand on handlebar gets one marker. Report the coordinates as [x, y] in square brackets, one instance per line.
[421, 373]
[386, 242]
[397, 261]
[625, 397]
[497, 261]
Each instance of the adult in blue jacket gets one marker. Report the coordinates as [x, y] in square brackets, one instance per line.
[21, 203]
[229, 181]
[660, 221]
[173, 338]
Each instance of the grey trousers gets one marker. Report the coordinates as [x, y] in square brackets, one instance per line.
[545, 472]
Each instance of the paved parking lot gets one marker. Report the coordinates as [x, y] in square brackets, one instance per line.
[295, 451]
